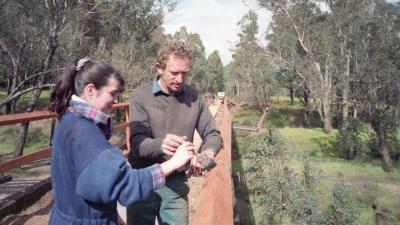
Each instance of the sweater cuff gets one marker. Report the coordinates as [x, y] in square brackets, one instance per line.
[158, 176]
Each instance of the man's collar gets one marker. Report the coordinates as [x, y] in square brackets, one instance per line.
[156, 88]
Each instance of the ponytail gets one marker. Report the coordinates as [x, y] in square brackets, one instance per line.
[74, 79]
[64, 89]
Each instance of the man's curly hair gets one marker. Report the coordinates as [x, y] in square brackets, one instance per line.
[177, 48]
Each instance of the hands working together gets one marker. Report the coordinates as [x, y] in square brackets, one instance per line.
[172, 144]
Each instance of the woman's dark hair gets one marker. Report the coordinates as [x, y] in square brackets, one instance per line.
[76, 77]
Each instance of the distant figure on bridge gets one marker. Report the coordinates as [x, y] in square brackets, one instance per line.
[164, 114]
[88, 174]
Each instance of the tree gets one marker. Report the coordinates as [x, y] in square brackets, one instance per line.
[377, 78]
[198, 74]
[301, 41]
[252, 73]
[350, 49]
[38, 36]
[215, 73]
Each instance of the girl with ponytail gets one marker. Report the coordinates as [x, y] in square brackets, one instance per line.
[88, 174]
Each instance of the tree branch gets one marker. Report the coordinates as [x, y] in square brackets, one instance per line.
[16, 95]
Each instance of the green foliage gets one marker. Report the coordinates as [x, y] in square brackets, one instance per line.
[314, 141]
[215, 73]
[266, 146]
[249, 77]
[342, 210]
[311, 165]
[38, 137]
[281, 115]
[278, 192]
[348, 139]
[248, 117]
[393, 142]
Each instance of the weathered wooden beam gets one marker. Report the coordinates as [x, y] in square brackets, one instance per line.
[25, 159]
[23, 199]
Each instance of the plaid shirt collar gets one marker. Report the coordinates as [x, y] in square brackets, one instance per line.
[80, 107]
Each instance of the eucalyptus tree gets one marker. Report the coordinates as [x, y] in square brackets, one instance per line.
[377, 69]
[129, 35]
[215, 73]
[301, 41]
[30, 39]
[229, 84]
[38, 37]
[252, 73]
[198, 74]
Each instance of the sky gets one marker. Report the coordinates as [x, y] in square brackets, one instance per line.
[216, 22]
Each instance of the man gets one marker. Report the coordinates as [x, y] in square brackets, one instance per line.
[164, 114]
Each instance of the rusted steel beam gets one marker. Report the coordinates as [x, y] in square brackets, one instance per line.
[22, 160]
[215, 205]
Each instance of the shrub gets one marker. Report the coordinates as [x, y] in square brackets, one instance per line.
[393, 142]
[342, 210]
[348, 139]
[277, 191]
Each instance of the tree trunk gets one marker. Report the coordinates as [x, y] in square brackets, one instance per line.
[354, 106]
[345, 93]
[383, 146]
[21, 139]
[327, 113]
[291, 94]
[350, 153]
[306, 97]
[327, 125]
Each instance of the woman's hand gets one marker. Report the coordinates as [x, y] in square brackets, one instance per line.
[182, 155]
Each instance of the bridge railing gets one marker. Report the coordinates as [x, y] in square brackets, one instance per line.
[215, 204]
[46, 152]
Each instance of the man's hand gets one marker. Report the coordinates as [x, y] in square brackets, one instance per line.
[200, 161]
[195, 167]
[171, 142]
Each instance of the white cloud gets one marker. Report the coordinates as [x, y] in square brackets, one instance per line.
[215, 21]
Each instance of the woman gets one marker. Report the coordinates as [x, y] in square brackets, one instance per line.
[88, 174]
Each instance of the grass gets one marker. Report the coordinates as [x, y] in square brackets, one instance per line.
[37, 139]
[23, 100]
[3, 95]
[310, 140]
[249, 117]
[38, 133]
[284, 100]
[367, 182]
